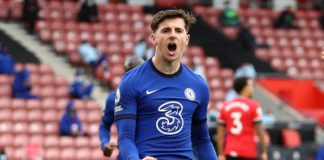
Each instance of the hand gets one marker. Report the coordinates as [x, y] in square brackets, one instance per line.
[108, 149]
[264, 156]
[149, 158]
[221, 157]
[322, 55]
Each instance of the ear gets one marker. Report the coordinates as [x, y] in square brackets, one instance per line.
[187, 39]
[153, 39]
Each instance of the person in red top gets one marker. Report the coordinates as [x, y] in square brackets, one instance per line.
[239, 122]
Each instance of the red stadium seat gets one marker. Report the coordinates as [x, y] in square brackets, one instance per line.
[215, 83]
[52, 153]
[45, 69]
[5, 79]
[35, 79]
[5, 102]
[62, 91]
[18, 103]
[262, 54]
[37, 139]
[44, 35]
[20, 128]
[82, 142]
[92, 105]
[36, 128]
[6, 140]
[66, 142]
[67, 153]
[50, 115]
[59, 46]
[93, 129]
[51, 141]
[290, 62]
[94, 116]
[5, 114]
[48, 103]
[19, 115]
[213, 73]
[212, 62]
[83, 154]
[34, 115]
[51, 128]
[47, 91]
[5, 90]
[32, 104]
[5, 127]
[227, 73]
[60, 80]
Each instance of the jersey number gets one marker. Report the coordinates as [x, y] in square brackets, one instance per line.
[237, 124]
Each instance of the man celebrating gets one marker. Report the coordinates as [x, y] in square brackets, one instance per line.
[240, 118]
[161, 106]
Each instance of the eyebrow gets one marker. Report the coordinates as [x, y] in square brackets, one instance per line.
[177, 28]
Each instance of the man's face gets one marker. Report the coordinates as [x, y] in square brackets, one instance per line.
[170, 39]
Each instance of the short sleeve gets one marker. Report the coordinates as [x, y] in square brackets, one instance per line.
[257, 113]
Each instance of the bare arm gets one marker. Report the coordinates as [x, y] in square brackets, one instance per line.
[220, 141]
[260, 133]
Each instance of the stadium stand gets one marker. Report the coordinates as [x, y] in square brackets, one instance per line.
[35, 122]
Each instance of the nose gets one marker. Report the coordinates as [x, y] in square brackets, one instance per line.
[172, 34]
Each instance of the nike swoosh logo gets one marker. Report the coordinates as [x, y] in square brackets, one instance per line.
[150, 92]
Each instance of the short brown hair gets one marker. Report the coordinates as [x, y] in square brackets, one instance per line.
[188, 18]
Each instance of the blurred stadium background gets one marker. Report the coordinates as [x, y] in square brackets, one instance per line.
[290, 73]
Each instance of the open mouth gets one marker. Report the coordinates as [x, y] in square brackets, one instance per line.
[172, 47]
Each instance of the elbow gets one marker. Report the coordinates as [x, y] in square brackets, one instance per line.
[196, 143]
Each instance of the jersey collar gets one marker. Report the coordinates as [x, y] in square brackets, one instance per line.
[162, 74]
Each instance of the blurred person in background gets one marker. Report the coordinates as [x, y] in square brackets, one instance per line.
[149, 53]
[3, 155]
[30, 14]
[198, 68]
[229, 17]
[88, 12]
[21, 87]
[245, 70]
[80, 90]
[238, 124]
[321, 19]
[70, 124]
[286, 19]
[140, 48]
[7, 64]
[91, 55]
[108, 117]
[268, 118]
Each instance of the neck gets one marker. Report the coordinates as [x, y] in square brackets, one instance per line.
[166, 67]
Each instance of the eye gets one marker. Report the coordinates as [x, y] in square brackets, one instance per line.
[165, 30]
[178, 30]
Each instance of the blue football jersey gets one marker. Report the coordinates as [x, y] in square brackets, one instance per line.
[164, 107]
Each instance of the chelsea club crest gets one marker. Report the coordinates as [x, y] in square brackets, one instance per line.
[190, 94]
